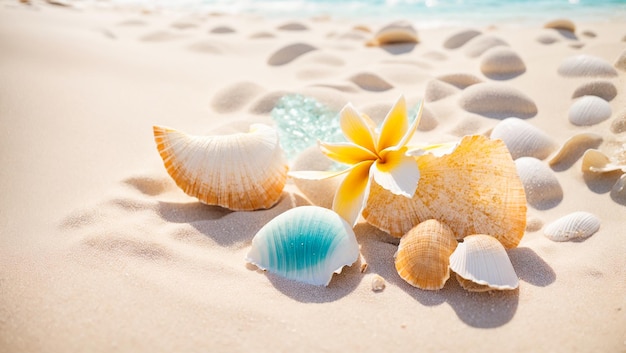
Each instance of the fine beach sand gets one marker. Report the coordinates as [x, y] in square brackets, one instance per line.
[101, 252]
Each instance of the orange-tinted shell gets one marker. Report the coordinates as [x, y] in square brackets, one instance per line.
[423, 256]
[475, 189]
[241, 171]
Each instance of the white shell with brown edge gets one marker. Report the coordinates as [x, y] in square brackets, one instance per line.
[482, 260]
[475, 189]
[240, 171]
[423, 256]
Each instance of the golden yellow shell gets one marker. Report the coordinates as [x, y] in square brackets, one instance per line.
[475, 189]
[423, 256]
[241, 171]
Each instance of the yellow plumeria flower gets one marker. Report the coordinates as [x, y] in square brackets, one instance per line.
[381, 156]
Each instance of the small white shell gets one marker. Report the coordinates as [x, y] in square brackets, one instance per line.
[577, 225]
[241, 171]
[483, 260]
[589, 110]
[586, 66]
[542, 188]
[306, 244]
[523, 139]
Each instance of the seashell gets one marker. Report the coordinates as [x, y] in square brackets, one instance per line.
[378, 283]
[474, 189]
[577, 225]
[497, 100]
[523, 139]
[459, 39]
[483, 264]
[395, 33]
[501, 63]
[574, 148]
[319, 192]
[542, 188]
[586, 66]
[423, 256]
[306, 244]
[589, 110]
[241, 171]
[562, 24]
[480, 44]
[603, 89]
[598, 162]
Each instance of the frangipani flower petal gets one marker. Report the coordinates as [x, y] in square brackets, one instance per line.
[394, 127]
[357, 128]
[398, 174]
[346, 153]
[438, 150]
[315, 174]
[352, 193]
[411, 131]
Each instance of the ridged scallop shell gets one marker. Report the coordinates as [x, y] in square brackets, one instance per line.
[577, 225]
[241, 171]
[395, 33]
[423, 256]
[543, 190]
[482, 260]
[474, 189]
[306, 244]
[523, 139]
[589, 110]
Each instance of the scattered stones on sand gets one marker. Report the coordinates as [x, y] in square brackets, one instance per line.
[262, 35]
[562, 24]
[370, 82]
[436, 90]
[501, 63]
[548, 38]
[289, 53]
[480, 44]
[523, 139]
[574, 226]
[589, 110]
[234, 97]
[460, 80]
[401, 32]
[542, 188]
[497, 100]
[586, 66]
[603, 89]
[293, 26]
[459, 39]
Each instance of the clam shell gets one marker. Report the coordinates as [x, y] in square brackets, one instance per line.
[523, 139]
[482, 260]
[543, 190]
[241, 171]
[574, 148]
[577, 225]
[598, 162]
[423, 256]
[589, 110]
[306, 244]
[474, 189]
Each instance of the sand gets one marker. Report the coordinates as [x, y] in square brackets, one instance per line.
[101, 252]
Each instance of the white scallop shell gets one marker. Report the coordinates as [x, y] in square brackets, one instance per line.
[589, 110]
[523, 139]
[577, 225]
[306, 244]
[586, 66]
[483, 260]
[241, 171]
[542, 188]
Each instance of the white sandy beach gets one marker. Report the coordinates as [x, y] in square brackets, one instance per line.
[101, 252]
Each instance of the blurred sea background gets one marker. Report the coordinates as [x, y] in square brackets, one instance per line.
[425, 13]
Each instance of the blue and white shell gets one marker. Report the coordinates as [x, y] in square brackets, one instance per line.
[306, 244]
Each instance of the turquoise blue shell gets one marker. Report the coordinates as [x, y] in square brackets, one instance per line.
[306, 244]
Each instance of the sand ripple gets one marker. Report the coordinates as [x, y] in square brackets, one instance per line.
[289, 53]
[603, 89]
[480, 44]
[235, 96]
[436, 90]
[370, 82]
[459, 39]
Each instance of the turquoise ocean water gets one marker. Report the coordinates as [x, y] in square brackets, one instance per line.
[427, 12]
